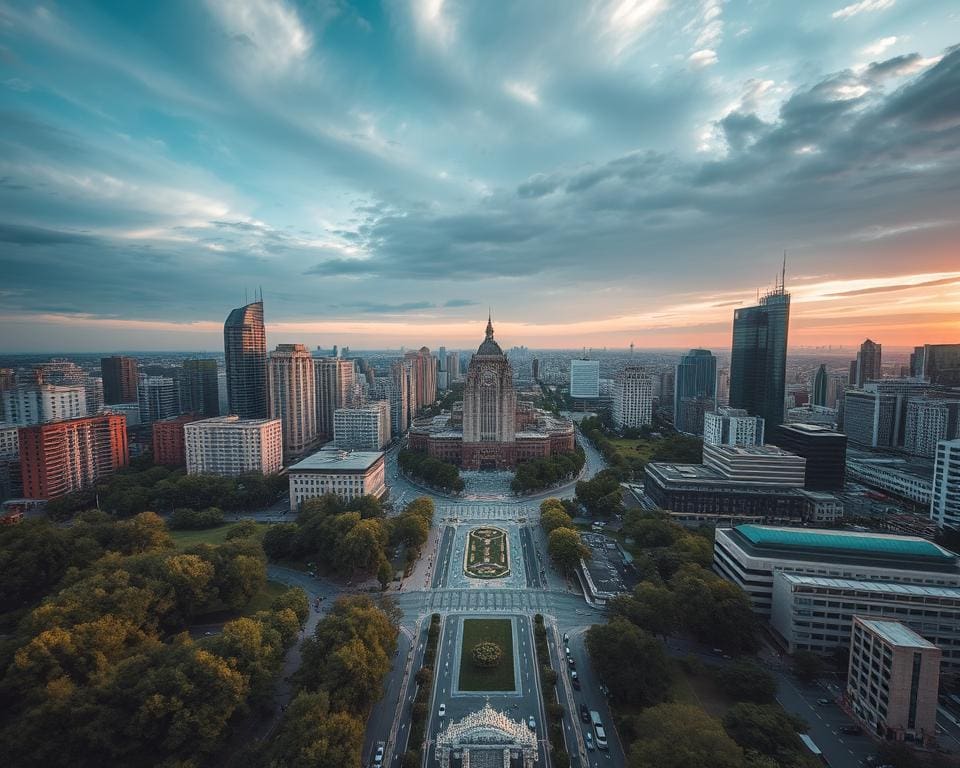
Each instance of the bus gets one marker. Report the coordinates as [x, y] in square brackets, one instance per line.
[813, 748]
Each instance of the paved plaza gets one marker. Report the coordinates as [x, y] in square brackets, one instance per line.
[519, 513]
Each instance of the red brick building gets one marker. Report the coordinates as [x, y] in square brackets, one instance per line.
[64, 456]
[169, 446]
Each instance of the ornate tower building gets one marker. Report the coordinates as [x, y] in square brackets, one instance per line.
[489, 408]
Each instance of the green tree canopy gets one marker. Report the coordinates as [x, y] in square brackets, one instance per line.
[630, 662]
[566, 549]
[314, 736]
[682, 736]
[555, 517]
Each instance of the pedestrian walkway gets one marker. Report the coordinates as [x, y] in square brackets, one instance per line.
[482, 512]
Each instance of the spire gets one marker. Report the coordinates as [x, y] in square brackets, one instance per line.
[489, 325]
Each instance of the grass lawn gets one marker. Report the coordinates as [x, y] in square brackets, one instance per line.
[501, 677]
[261, 601]
[184, 539]
[638, 448]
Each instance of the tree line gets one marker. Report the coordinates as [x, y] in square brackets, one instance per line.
[433, 472]
[564, 545]
[676, 448]
[538, 474]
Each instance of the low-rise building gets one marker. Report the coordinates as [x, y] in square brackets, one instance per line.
[893, 680]
[756, 464]
[348, 474]
[908, 479]
[229, 445]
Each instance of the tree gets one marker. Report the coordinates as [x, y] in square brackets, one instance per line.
[242, 530]
[745, 680]
[384, 573]
[555, 517]
[714, 610]
[807, 665]
[630, 661]
[682, 736]
[764, 728]
[279, 541]
[362, 548]
[650, 532]
[313, 736]
[411, 529]
[566, 549]
[650, 607]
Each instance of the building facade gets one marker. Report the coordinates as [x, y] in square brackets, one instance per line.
[868, 363]
[200, 388]
[945, 493]
[25, 405]
[908, 480]
[585, 379]
[348, 474]
[365, 428]
[632, 398]
[425, 387]
[929, 422]
[60, 457]
[820, 381]
[334, 379]
[732, 426]
[939, 364]
[696, 379]
[159, 398]
[293, 396]
[389, 390]
[824, 449]
[245, 361]
[229, 446]
[169, 441]
[120, 378]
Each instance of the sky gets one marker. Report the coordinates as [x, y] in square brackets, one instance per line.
[595, 173]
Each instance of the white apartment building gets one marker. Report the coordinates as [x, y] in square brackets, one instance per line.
[27, 405]
[732, 426]
[815, 613]
[366, 428]
[293, 396]
[585, 379]
[945, 494]
[229, 445]
[756, 464]
[928, 422]
[9, 441]
[897, 476]
[348, 474]
[632, 398]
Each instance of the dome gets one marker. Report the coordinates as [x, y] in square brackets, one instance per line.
[489, 346]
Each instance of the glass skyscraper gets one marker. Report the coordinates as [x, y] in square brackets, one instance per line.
[696, 380]
[758, 360]
[820, 386]
[245, 352]
[199, 388]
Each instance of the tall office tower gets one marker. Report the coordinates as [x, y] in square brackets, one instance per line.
[399, 396]
[852, 377]
[245, 354]
[159, 398]
[732, 426]
[120, 379]
[916, 362]
[929, 422]
[632, 398]
[334, 379]
[426, 368]
[453, 366]
[8, 380]
[200, 388]
[696, 379]
[941, 364]
[945, 499]
[535, 367]
[758, 360]
[230, 446]
[366, 428]
[25, 405]
[293, 396]
[820, 380]
[585, 379]
[723, 386]
[64, 456]
[389, 390]
[869, 362]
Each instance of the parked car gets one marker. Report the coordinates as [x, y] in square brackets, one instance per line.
[570, 662]
[443, 710]
[588, 738]
[584, 713]
[851, 730]
[575, 679]
[823, 702]
[531, 723]
[566, 638]
[378, 757]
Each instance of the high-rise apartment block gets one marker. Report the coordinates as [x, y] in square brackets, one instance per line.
[893, 680]
[945, 498]
[334, 379]
[875, 416]
[120, 379]
[200, 388]
[732, 426]
[758, 359]
[426, 378]
[229, 445]
[62, 372]
[453, 366]
[632, 398]
[405, 377]
[9, 441]
[293, 396]
[824, 449]
[867, 366]
[159, 398]
[389, 390]
[245, 356]
[585, 379]
[169, 440]
[25, 405]
[929, 422]
[364, 428]
[64, 456]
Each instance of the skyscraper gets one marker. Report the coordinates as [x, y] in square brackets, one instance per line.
[632, 397]
[200, 388]
[696, 380]
[245, 352]
[820, 386]
[159, 398]
[293, 396]
[120, 379]
[426, 386]
[758, 360]
[585, 379]
[334, 379]
[940, 363]
[868, 363]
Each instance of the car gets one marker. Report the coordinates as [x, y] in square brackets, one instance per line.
[378, 757]
[576, 683]
[588, 739]
[566, 638]
[570, 662]
[718, 651]
[531, 723]
[851, 730]
[566, 650]
[443, 710]
[823, 702]
[584, 713]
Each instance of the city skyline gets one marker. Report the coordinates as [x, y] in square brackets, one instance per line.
[382, 173]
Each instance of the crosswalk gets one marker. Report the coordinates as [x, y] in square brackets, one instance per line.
[480, 600]
[471, 512]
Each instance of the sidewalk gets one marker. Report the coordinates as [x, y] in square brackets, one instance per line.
[422, 572]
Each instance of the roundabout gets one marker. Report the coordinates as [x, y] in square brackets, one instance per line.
[487, 553]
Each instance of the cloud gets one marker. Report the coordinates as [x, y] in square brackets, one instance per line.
[538, 186]
[896, 287]
[864, 6]
[703, 58]
[452, 303]
[25, 235]
[271, 29]
[878, 47]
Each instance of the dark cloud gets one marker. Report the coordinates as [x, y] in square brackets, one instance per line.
[538, 186]
[454, 303]
[23, 235]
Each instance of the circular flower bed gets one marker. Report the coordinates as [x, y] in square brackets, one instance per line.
[487, 654]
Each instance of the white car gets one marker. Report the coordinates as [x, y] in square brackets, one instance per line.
[378, 758]
[531, 723]
[443, 710]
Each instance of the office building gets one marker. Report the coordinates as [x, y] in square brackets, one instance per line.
[159, 398]
[348, 474]
[750, 555]
[364, 428]
[903, 477]
[696, 379]
[732, 426]
[945, 492]
[245, 356]
[632, 398]
[120, 379]
[869, 418]
[693, 412]
[335, 380]
[755, 464]
[200, 388]
[25, 405]
[66, 373]
[293, 396]
[928, 422]
[169, 440]
[405, 376]
[585, 379]
[939, 364]
[229, 446]
[758, 359]
[893, 680]
[867, 366]
[453, 366]
[824, 449]
[820, 379]
[60, 457]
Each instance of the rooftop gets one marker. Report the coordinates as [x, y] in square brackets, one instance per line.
[896, 633]
[233, 421]
[750, 450]
[698, 475]
[878, 544]
[337, 460]
[885, 587]
[813, 430]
